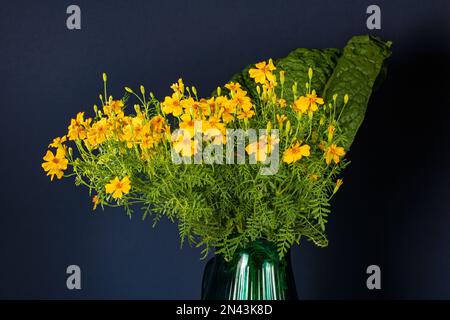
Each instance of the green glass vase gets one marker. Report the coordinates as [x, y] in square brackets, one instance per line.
[254, 273]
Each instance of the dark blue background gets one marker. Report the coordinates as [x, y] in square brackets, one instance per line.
[393, 210]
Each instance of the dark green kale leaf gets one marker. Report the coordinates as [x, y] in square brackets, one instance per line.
[355, 71]
[355, 74]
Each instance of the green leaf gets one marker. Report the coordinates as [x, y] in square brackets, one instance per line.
[296, 65]
[356, 74]
[356, 71]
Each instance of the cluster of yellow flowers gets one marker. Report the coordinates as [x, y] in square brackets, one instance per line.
[214, 114]
[110, 124]
[235, 108]
[307, 104]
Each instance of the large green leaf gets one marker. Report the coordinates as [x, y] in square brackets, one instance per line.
[296, 65]
[355, 74]
[354, 71]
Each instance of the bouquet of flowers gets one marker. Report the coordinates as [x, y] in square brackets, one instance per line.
[260, 158]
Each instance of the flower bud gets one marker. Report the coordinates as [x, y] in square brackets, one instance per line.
[322, 120]
[288, 127]
[339, 183]
[335, 97]
[282, 77]
[142, 90]
[95, 108]
[269, 127]
[346, 99]
[310, 73]
[294, 88]
[104, 77]
[331, 130]
[194, 91]
[219, 91]
[128, 90]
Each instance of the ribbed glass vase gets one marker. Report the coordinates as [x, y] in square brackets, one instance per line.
[254, 273]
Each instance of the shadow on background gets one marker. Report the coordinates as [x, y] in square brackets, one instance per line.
[394, 208]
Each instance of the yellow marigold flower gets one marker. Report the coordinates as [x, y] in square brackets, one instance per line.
[227, 117]
[233, 86]
[118, 187]
[269, 86]
[258, 149]
[58, 142]
[95, 201]
[178, 87]
[214, 123]
[333, 153]
[296, 152]
[307, 104]
[300, 105]
[77, 127]
[113, 107]
[55, 164]
[172, 105]
[214, 135]
[263, 147]
[183, 143]
[222, 101]
[268, 142]
[97, 134]
[148, 138]
[187, 123]
[158, 123]
[245, 114]
[262, 72]
[281, 103]
[187, 104]
[132, 132]
[281, 118]
[208, 106]
[196, 109]
[241, 100]
[226, 109]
